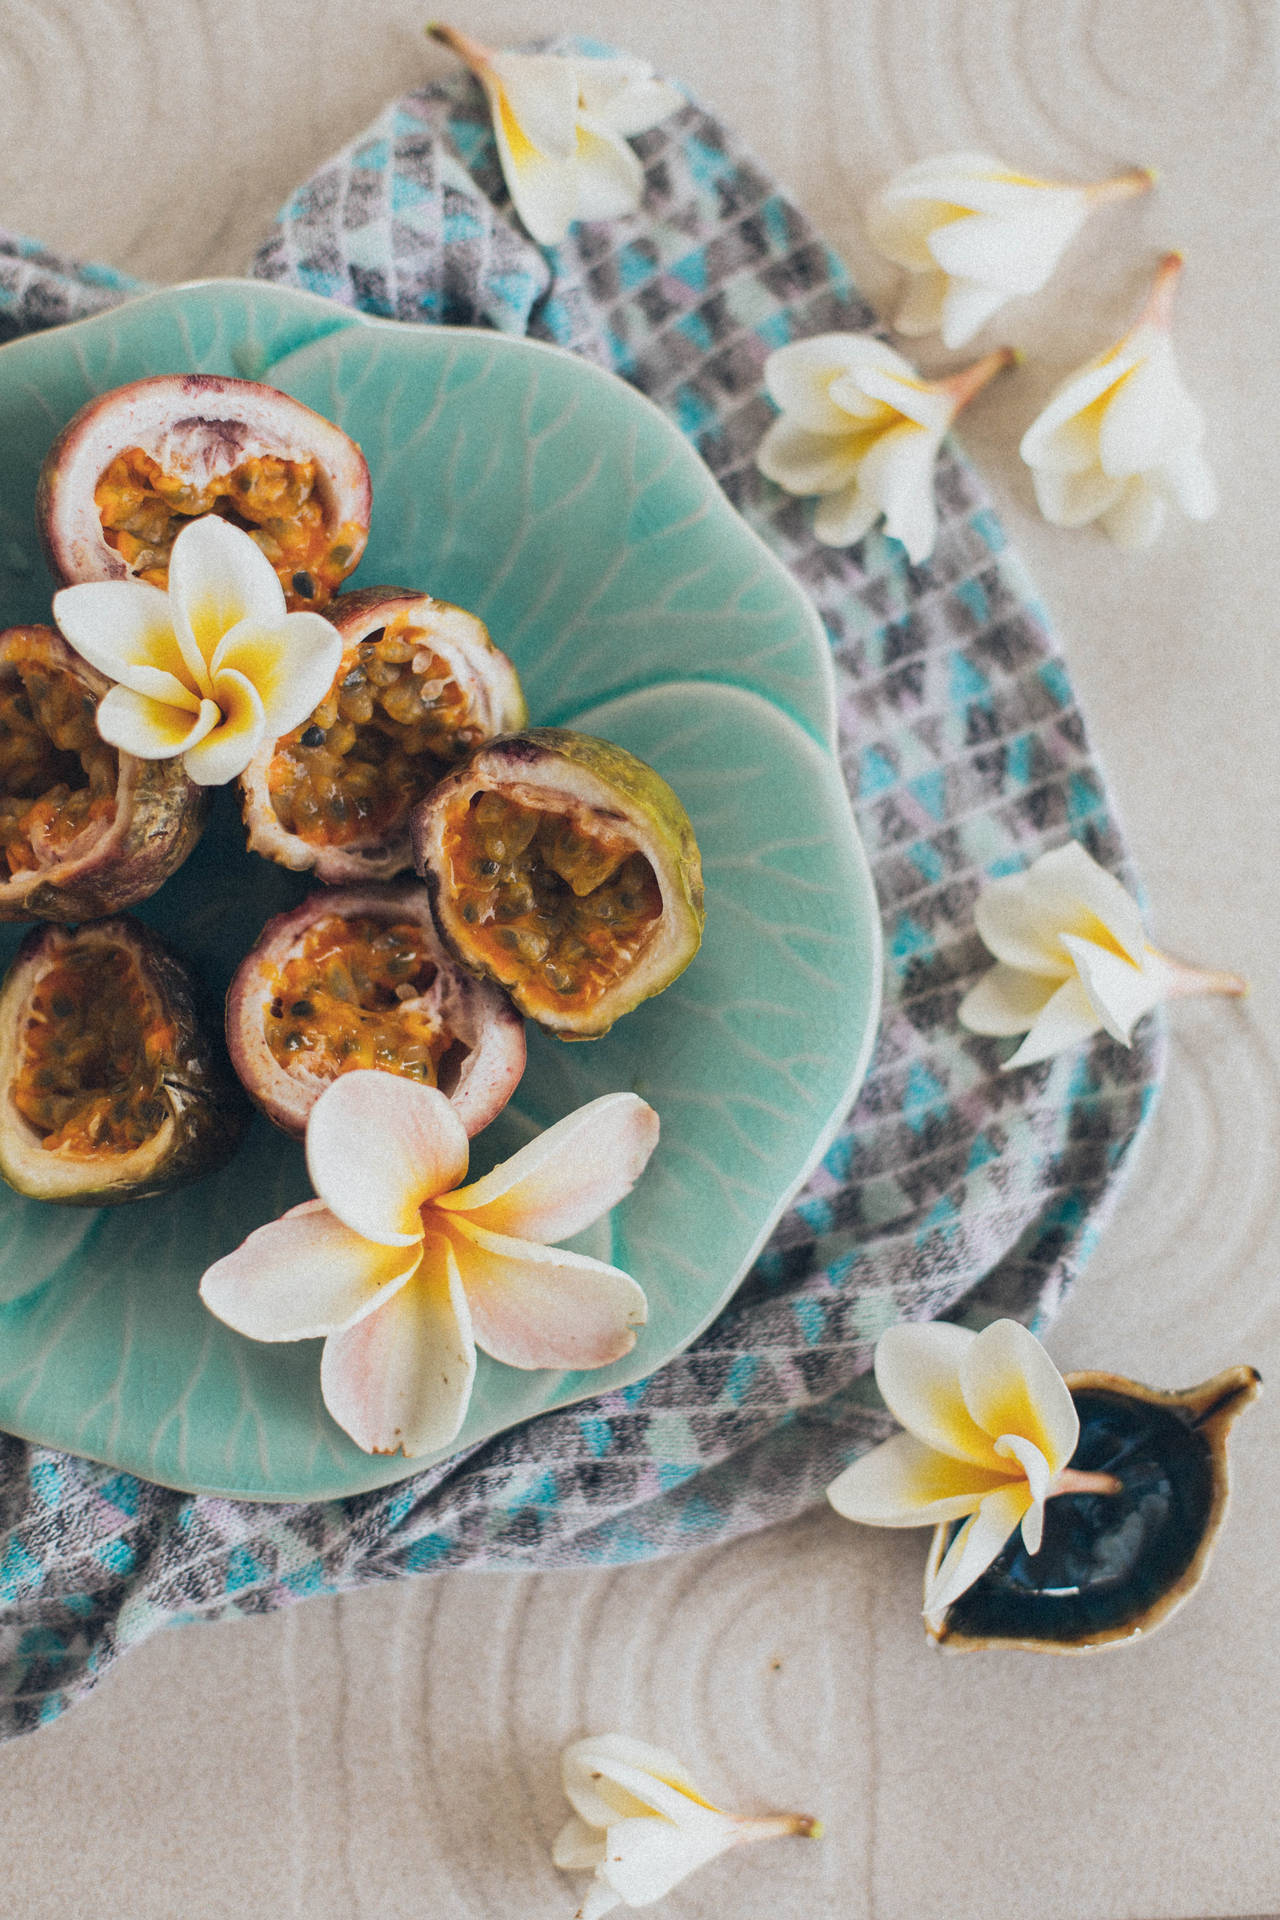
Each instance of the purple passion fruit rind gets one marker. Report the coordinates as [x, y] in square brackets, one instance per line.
[419, 686]
[84, 828]
[358, 977]
[110, 1088]
[565, 869]
[136, 465]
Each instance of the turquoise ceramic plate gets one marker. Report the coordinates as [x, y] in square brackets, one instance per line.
[549, 496]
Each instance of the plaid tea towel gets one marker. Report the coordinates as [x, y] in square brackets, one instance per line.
[952, 1189]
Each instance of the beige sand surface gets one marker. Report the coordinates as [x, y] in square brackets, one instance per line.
[393, 1753]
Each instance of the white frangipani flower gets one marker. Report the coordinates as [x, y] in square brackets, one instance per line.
[640, 1825]
[562, 122]
[405, 1273]
[1072, 959]
[990, 1431]
[860, 428]
[207, 668]
[1120, 439]
[974, 233]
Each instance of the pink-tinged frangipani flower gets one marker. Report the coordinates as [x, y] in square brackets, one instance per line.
[639, 1824]
[405, 1272]
[990, 1431]
[207, 668]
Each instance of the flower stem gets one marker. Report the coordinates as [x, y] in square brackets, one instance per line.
[1135, 180]
[471, 51]
[961, 387]
[1182, 981]
[1158, 311]
[774, 1826]
[1076, 1480]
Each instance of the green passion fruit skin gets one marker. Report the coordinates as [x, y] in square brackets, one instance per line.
[566, 869]
[87, 829]
[110, 1087]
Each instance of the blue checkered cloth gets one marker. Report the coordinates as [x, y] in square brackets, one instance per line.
[952, 1189]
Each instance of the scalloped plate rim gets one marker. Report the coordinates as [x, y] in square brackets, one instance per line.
[344, 317]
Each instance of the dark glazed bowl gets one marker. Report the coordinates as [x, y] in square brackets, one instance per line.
[1111, 1566]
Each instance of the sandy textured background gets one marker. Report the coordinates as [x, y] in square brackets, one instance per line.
[393, 1753]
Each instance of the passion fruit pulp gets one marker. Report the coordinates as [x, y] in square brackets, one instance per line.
[565, 869]
[110, 1090]
[420, 684]
[84, 828]
[135, 465]
[358, 977]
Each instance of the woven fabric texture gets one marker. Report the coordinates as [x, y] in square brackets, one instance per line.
[953, 1188]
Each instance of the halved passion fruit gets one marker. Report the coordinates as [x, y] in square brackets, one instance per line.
[565, 869]
[84, 828]
[419, 685]
[358, 978]
[127, 473]
[109, 1088]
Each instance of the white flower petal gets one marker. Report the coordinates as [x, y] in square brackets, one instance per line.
[904, 1483]
[918, 1374]
[125, 629]
[965, 309]
[804, 462]
[976, 1545]
[567, 1177]
[1119, 992]
[1190, 481]
[798, 377]
[1141, 422]
[601, 1899]
[1005, 1001]
[303, 1276]
[646, 1858]
[226, 750]
[543, 189]
[378, 1148]
[843, 518]
[541, 96]
[1074, 499]
[899, 226]
[1012, 254]
[1011, 1386]
[1018, 930]
[651, 1788]
[1035, 1468]
[1067, 1019]
[625, 95]
[906, 396]
[291, 665]
[218, 577]
[537, 1306]
[898, 472]
[1135, 518]
[148, 728]
[1041, 444]
[610, 176]
[578, 1848]
[1070, 887]
[587, 1769]
[400, 1379]
[921, 308]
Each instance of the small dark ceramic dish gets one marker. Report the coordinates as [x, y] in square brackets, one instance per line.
[1111, 1566]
